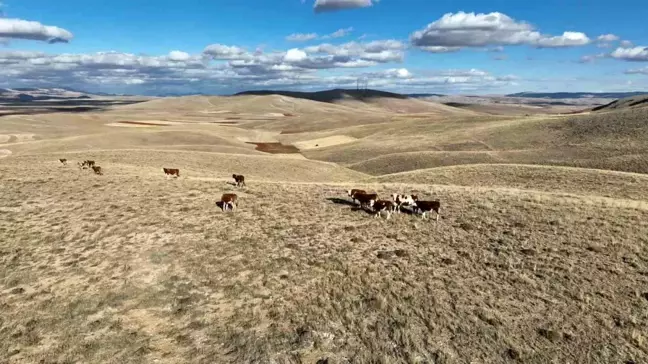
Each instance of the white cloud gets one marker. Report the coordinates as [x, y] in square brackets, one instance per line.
[177, 71]
[301, 37]
[635, 54]
[479, 30]
[339, 33]
[223, 52]
[179, 56]
[31, 30]
[606, 38]
[333, 5]
[304, 37]
[626, 44]
[637, 71]
[591, 58]
[295, 55]
[440, 49]
[381, 51]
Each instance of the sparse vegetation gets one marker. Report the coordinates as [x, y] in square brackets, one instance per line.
[527, 263]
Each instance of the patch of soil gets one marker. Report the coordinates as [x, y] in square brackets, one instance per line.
[289, 132]
[141, 123]
[275, 148]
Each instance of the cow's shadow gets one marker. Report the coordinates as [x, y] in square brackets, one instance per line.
[353, 205]
[341, 201]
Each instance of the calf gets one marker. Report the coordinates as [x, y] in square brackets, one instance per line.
[63, 161]
[400, 200]
[427, 206]
[171, 171]
[239, 179]
[229, 199]
[382, 205]
[97, 170]
[352, 193]
[365, 198]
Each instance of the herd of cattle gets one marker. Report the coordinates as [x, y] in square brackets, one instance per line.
[229, 201]
[394, 206]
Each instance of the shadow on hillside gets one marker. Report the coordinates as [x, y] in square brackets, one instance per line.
[341, 201]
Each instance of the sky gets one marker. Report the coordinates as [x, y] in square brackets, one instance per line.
[410, 46]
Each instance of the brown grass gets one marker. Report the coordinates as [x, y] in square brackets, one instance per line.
[124, 268]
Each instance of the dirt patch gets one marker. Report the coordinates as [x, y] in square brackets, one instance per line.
[290, 132]
[324, 142]
[275, 148]
[141, 123]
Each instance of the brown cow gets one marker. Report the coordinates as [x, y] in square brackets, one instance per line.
[239, 179]
[427, 206]
[365, 198]
[229, 199]
[382, 205]
[97, 170]
[171, 171]
[352, 193]
[63, 161]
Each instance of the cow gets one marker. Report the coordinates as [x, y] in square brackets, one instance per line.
[229, 199]
[97, 170]
[171, 171]
[63, 161]
[382, 205]
[87, 163]
[239, 179]
[365, 198]
[352, 193]
[400, 200]
[427, 206]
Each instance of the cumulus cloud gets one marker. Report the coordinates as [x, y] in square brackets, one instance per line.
[225, 68]
[607, 38]
[333, 5]
[626, 44]
[457, 30]
[591, 58]
[634, 54]
[31, 30]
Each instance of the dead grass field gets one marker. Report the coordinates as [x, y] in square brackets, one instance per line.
[530, 263]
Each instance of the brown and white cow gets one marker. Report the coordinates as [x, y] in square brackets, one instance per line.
[86, 163]
[171, 171]
[382, 205]
[97, 170]
[352, 193]
[403, 200]
[427, 206]
[239, 179]
[229, 199]
[365, 199]
[63, 161]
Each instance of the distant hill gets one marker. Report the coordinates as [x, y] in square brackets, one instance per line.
[633, 102]
[328, 95]
[578, 95]
[31, 94]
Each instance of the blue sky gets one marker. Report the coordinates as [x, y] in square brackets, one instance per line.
[224, 46]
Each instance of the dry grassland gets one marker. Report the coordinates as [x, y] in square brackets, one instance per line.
[120, 268]
[527, 264]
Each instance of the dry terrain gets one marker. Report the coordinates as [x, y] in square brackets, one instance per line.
[540, 254]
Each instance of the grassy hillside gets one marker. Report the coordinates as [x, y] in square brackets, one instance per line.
[136, 268]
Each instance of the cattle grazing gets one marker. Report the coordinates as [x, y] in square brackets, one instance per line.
[239, 179]
[229, 199]
[97, 170]
[171, 171]
[63, 161]
[382, 205]
[87, 163]
[352, 193]
[365, 198]
[427, 206]
[403, 200]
